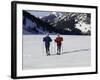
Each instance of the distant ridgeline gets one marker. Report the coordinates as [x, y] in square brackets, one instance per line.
[53, 24]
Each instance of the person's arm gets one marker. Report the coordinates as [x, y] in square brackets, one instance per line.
[43, 39]
[62, 38]
[50, 39]
[56, 40]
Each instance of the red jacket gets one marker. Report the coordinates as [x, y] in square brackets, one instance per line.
[58, 40]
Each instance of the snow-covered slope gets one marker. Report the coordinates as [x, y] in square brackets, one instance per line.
[76, 52]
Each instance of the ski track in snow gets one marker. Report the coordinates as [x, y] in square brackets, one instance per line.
[76, 52]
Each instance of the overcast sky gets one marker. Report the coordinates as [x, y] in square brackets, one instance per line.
[39, 13]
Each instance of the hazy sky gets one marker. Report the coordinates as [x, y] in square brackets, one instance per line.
[39, 13]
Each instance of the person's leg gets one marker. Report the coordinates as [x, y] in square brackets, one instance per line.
[60, 49]
[57, 49]
[46, 50]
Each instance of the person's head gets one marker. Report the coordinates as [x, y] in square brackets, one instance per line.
[58, 35]
[47, 34]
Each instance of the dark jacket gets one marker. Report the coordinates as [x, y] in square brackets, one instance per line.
[47, 40]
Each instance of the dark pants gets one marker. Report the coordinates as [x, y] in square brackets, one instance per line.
[47, 49]
[58, 48]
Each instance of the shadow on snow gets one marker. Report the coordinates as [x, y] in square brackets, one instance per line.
[73, 51]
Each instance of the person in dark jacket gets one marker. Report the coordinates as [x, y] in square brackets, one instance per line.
[47, 41]
[59, 40]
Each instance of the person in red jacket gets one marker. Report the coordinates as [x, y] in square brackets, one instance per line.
[59, 40]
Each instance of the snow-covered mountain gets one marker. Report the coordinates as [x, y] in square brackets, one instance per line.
[70, 21]
[34, 25]
[57, 22]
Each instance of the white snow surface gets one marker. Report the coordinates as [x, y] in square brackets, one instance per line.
[76, 52]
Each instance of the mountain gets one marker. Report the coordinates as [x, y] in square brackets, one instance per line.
[75, 23]
[58, 22]
[49, 18]
[34, 25]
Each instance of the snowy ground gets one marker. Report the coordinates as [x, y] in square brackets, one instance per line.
[75, 52]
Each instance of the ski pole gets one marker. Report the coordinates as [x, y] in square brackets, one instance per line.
[62, 48]
[55, 48]
[51, 48]
[43, 48]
